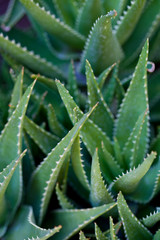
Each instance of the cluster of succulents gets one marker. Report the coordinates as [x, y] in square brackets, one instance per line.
[80, 145]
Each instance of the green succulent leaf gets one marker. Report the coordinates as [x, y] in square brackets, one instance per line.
[55, 126]
[99, 234]
[5, 178]
[77, 164]
[45, 176]
[66, 10]
[16, 93]
[133, 228]
[45, 140]
[14, 13]
[87, 15]
[128, 182]
[118, 154]
[145, 28]
[27, 229]
[72, 83]
[102, 48]
[63, 200]
[102, 116]
[99, 194]
[28, 58]
[132, 151]
[11, 137]
[102, 77]
[127, 23]
[129, 113]
[91, 134]
[112, 230]
[152, 219]
[82, 236]
[74, 220]
[53, 25]
[157, 235]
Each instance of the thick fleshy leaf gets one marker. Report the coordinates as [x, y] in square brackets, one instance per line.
[129, 112]
[102, 116]
[157, 235]
[91, 134]
[77, 164]
[144, 191]
[87, 15]
[72, 83]
[29, 59]
[133, 228]
[152, 219]
[63, 200]
[16, 93]
[11, 137]
[110, 167]
[5, 178]
[102, 48]
[99, 234]
[102, 77]
[145, 28]
[24, 227]
[14, 13]
[99, 194]
[45, 140]
[133, 152]
[112, 230]
[128, 21]
[66, 10]
[55, 126]
[45, 176]
[128, 182]
[74, 220]
[53, 25]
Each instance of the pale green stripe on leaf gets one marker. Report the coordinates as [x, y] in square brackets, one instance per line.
[55, 126]
[16, 93]
[102, 48]
[136, 93]
[102, 116]
[112, 230]
[73, 221]
[53, 25]
[133, 228]
[128, 21]
[99, 234]
[28, 230]
[66, 10]
[152, 219]
[133, 153]
[77, 164]
[99, 194]
[45, 176]
[102, 77]
[44, 140]
[91, 134]
[28, 58]
[128, 182]
[87, 15]
[63, 200]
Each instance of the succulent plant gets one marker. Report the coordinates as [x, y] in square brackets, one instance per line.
[86, 151]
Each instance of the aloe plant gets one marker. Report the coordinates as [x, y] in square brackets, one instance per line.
[85, 151]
